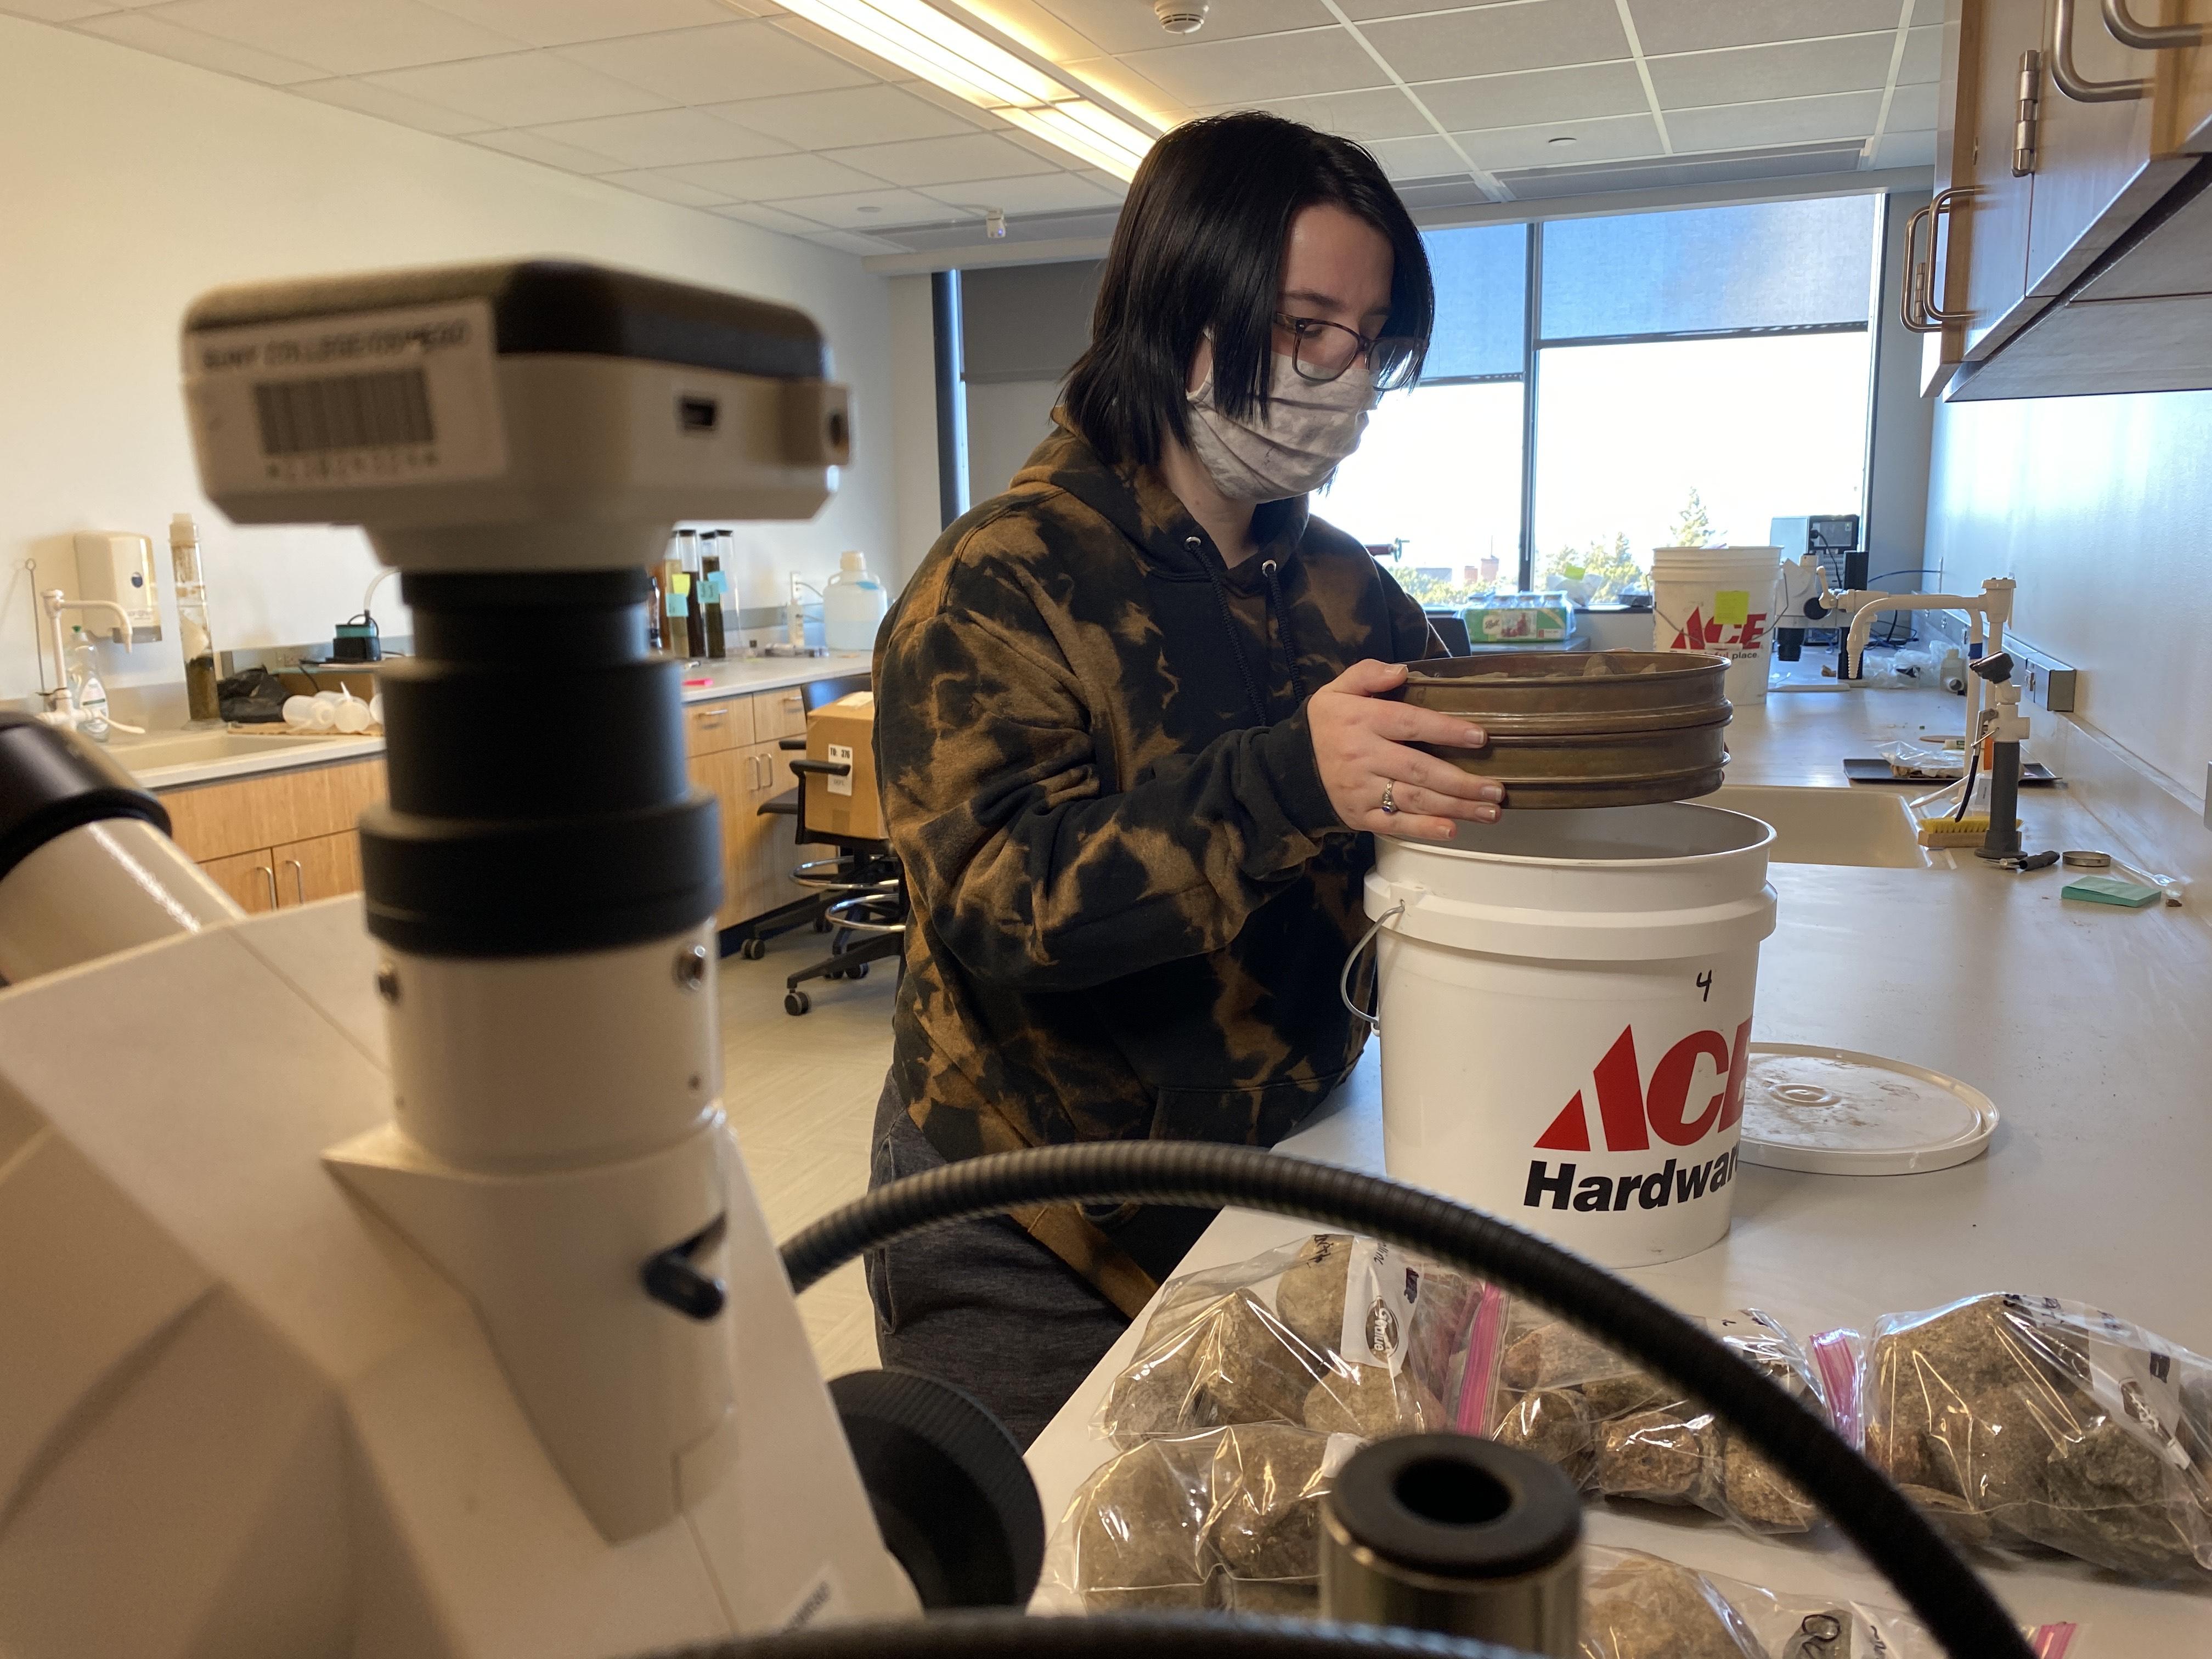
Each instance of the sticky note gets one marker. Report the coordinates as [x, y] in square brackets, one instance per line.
[1732, 605]
[2110, 889]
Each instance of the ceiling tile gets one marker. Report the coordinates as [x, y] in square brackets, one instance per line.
[766, 218]
[1795, 69]
[945, 161]
[389, 105]
[1202, 72]
[1115, 78]
[1382, 112]
[340, 37]
[715, 64]
[845, 241]
[1906, 149]
[1923, 57]
[1665, 26]
[168, 40]
[521, 90]
[1119, 26]
[774, 177]
[57, 11]
[1928, 12]
[1495, 39]
[845, 116]
[663, 138]
[549, 151]
[1789, 121]
[662, 188]
[1039, 192]
[1535, 95]
[867, 209]
[1418, 158]
[1912, 109]
[565, 22]
[1604, 138]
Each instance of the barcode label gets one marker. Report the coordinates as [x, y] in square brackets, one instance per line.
[339, 404]
[346, 411]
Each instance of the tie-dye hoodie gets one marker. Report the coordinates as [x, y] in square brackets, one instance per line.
[1131, 897]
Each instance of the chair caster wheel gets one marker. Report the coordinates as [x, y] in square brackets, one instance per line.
[796, 1002]
[753, 949]
[859, 970]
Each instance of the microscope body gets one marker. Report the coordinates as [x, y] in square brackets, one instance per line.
[401, 1290]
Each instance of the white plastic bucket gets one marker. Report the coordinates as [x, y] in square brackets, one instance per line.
[1565, 1006]
[1719, 600]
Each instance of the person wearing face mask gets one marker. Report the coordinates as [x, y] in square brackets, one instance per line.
[1133, 749]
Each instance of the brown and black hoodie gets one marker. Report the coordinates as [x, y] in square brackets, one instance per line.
[1131, 896]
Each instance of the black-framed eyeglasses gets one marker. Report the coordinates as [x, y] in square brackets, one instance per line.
[1323, 350]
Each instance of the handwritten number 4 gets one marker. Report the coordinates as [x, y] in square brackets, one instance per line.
[1705, 985]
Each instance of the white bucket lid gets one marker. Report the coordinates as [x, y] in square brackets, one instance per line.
[1837, 1111]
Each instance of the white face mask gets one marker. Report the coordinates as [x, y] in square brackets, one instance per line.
[1303, 434]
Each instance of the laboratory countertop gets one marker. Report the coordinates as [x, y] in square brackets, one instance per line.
[2085, 1024]
[153, 759]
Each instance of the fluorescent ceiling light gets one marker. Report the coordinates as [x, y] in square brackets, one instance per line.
[946, 52]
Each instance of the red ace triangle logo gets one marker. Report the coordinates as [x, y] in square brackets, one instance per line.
[1630, 1114]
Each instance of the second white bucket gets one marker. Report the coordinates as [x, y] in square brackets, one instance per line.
[1566, 1005]
[1719, 600]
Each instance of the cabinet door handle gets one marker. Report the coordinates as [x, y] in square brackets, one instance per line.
[1939, 264]
[1908, 293]
[269, 875]
[299, 881]
[711, 716]
[2070, 80]
[2148, 37]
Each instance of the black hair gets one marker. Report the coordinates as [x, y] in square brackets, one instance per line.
[1200, 248]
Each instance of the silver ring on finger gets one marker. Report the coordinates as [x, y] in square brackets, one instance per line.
[1389, 795]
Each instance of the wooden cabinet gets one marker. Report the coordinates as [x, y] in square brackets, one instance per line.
[249, 877]
[2059, 156]
[758, 852]
[710, 728]
[277, 839]
[779, 714]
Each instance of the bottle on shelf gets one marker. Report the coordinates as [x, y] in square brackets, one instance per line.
[853, 605]
[87, 689]
[694, 607]
[675, 588]
[201, 697]
[710, 561]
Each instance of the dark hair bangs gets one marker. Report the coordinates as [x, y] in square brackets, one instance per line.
[1199, 250]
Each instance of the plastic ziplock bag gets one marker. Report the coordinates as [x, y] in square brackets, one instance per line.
[1335, 1334]
[2017, 1419]
[1641, 1606]
[1617, 1430]
[1228, 1518]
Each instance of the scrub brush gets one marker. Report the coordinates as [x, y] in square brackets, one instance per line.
[1957, 832]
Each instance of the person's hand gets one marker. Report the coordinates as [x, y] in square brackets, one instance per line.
[1359, 744]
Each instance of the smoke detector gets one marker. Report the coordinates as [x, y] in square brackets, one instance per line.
[1180, 16]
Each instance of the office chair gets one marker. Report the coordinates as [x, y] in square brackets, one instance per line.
[857, 895]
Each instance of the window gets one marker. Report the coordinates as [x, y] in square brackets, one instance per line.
[1692, 374]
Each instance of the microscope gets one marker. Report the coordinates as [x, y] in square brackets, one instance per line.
[400, 1289]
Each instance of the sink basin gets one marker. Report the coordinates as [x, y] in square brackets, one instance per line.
[141, 756]
[1815, 825]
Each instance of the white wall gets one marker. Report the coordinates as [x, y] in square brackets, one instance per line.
[1007, 419]
[1897, 463]
[130, 184]
[2101, 508]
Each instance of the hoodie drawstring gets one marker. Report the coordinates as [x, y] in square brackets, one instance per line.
[1278, 613]
[1229, 628]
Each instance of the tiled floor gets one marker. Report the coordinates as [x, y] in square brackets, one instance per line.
[801, 1096]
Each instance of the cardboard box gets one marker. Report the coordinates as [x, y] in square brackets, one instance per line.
[845, 731]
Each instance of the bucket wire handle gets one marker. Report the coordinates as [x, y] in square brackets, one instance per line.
[1344, 976]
